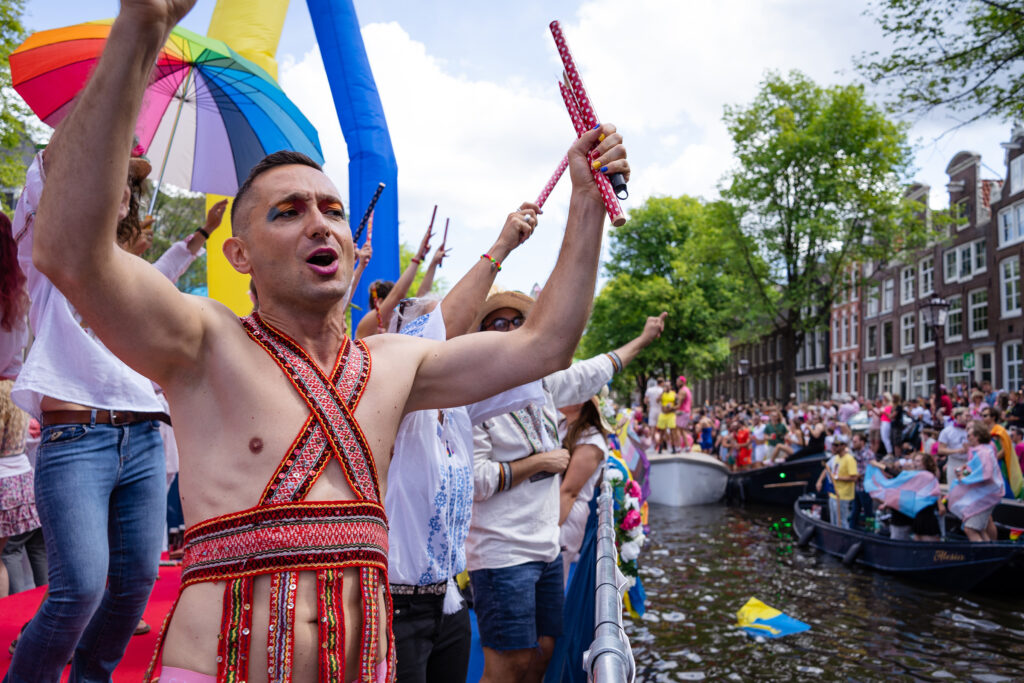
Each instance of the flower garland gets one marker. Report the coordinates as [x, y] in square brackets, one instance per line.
[629, 519]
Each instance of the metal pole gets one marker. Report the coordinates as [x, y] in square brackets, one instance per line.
[609, 658]
[170, 139]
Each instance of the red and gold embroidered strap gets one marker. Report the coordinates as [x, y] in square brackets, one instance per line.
[332, 404]
[288, 537]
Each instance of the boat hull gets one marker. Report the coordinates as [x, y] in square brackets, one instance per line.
[778, 484]
[687, 479]
[951, 564]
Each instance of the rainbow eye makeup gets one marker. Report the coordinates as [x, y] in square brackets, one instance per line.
[334, 206]
[282, 208]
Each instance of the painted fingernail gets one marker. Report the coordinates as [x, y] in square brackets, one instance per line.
[596, 164]
[597, 126]
[600, 138]
[603, 169]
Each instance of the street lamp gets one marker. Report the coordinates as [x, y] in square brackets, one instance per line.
[935, 312]
[744, 364]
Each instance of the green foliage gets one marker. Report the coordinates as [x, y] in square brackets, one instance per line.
[405, 254]
[819, 186]
[15, 133]
[178, 214]
[674, 255]
[964, 55]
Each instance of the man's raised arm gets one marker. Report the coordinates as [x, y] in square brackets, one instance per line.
[137, 313]
[472, 367]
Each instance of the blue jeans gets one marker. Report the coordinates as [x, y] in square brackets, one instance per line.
[839, 511]
[515, 605]
[100, 492]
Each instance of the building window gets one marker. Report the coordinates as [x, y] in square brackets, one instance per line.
[1011, 225]
[950, 274]
[955, 373]
[1012, 365]
[908, 325]
[978, 312]
[927, 270]
[821, 340]
[853, 377]
[927, 332]
[980, 257]
[886, 381]
[955, 318]
[907, 279]
[872, 341]
[985, 369]
[846, 334]
[922, 381]
[853, 329]
[1017, 174]
[872, 385]
[835, 334]
[872, 306]
[886, 338]
[1009, 286]
[888, 291]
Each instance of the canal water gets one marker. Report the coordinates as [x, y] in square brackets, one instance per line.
[703, 563]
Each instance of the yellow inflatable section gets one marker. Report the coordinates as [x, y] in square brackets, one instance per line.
[253, 29]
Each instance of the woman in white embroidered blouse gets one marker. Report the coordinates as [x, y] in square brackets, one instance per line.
[585, 438]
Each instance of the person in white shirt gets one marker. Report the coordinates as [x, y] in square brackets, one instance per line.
[652, 397]
[512, 551]
[953, 443]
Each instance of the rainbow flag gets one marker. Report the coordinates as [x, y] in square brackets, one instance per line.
[758, 619]
[909, 492]
[1009, 465]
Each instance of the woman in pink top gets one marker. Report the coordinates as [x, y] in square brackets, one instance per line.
[885, 419]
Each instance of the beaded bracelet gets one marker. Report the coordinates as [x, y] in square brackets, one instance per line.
[493, 261]
[203, 232]
[616, 361]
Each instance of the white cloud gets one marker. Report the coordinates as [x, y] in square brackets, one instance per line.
[661, 70]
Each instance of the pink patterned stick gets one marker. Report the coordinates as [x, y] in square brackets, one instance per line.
[573, 109]
[584, 113]
[562, 165]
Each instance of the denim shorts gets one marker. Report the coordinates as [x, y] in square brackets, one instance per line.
[515, 605]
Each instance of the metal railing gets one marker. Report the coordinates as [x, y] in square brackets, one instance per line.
[610, 657]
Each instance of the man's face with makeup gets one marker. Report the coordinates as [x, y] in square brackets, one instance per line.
[298, 237]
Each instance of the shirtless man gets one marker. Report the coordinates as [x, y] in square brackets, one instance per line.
[236, 414]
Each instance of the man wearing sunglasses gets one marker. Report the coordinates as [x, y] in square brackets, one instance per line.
[513, 550]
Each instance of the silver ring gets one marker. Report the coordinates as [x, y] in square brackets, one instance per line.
[528, 218]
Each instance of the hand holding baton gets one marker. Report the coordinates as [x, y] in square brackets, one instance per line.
[366, 214]
[584, 118]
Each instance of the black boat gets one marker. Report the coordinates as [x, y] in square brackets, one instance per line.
[779, 484]
[955, 563]
[1009, 513]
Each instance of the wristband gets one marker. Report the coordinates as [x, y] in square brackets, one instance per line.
[203, 232]
[494, 261]
[616, 361]
[415, 260]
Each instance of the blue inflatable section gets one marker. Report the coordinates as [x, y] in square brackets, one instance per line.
[371, 157]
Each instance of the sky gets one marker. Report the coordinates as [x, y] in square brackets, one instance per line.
[471, 98]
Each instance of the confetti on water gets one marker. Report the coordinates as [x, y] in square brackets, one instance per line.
[703, 569]
[663, 664]
[708, 598]
[661, 551]
[691, 675]
[694, 657]
[650, 615]
[652, 571]
[808, 669]
[942, 674]
[673, 616]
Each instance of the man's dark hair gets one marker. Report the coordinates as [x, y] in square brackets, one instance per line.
[282, 158]
[997, 415]
[380, 288]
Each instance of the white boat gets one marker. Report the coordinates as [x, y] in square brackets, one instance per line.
[687, 479]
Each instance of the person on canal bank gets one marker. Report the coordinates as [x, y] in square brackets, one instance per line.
[841, 470]
[652, 399]
[684, 405]
[667, 418]
[977, 485]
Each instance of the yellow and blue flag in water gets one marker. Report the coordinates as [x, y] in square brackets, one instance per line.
[758, 619]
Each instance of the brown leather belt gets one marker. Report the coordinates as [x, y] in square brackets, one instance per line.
[100, 417]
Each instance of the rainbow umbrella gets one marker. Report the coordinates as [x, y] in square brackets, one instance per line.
[208, 116]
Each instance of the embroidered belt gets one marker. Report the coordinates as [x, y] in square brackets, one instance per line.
[287, 537]
[432, 589]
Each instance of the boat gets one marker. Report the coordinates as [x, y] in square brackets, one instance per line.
[954, 563]
[1009, 513]
[779, 484]
[686, 479]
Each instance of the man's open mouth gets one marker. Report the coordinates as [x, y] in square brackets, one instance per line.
[322, 258]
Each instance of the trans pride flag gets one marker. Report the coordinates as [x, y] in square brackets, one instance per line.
[979, 490]
[909, 492]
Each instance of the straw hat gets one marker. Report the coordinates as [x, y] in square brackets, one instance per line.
[507, 299]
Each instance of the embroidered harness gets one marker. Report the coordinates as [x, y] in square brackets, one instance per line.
[284, 534]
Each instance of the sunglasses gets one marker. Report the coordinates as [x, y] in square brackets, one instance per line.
[505, 324]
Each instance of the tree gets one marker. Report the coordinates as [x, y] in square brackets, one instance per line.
[675, 255]
[178, 214]
[15, 133]
[819, 189]
[964, 56]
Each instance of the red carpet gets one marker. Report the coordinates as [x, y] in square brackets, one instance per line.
[19, 608]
